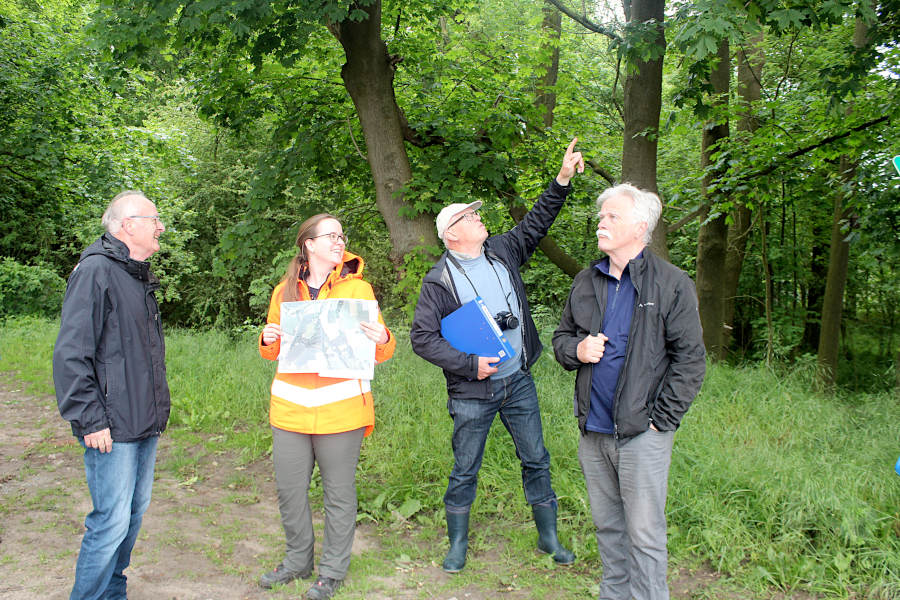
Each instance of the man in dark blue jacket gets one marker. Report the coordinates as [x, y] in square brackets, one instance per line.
[478, 388]
[631, 329]
[110, 377]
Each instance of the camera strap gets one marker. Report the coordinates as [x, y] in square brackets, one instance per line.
[460, 268]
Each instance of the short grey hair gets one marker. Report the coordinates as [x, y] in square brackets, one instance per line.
[119, 208]
[647, 206]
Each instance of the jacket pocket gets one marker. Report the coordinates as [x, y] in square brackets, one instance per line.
[116, 395]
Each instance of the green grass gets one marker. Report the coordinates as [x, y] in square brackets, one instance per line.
[26, 347]
[787, 487]
[772, 484]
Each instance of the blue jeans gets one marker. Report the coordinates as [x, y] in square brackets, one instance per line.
[120, 482]
[627, 485]
[515, 398]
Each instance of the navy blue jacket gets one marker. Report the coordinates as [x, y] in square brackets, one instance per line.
[438, 298]
[109, 359]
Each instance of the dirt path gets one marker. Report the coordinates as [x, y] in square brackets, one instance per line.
[206, 540]
[209, 540]
[209, 536]
[45, 498]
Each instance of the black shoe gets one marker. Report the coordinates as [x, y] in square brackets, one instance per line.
[282, 575]
[323, 588]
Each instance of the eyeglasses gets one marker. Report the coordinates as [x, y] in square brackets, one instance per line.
[156, 219]
[468, 216]
[334, 237]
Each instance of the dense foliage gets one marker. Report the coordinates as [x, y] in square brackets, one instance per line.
[29, 290]
[234, 118]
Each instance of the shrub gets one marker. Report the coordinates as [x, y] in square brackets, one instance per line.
[29, 289]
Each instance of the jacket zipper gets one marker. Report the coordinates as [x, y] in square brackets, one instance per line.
[157, 332]
[628, 351]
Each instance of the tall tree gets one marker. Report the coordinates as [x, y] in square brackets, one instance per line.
[838, 261]
[368, 75]
[264, 31]
[751, 60]
[643, 48]
[643, 102]
[551, 27]
[838, 258]
[712, 241]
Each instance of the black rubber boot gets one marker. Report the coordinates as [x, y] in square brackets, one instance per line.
[548, 542]
[458, 532]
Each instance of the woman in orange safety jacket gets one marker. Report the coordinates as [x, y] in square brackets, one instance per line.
[319, 419]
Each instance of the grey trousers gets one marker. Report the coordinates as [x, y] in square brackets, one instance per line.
[627, 486]
[337, 454]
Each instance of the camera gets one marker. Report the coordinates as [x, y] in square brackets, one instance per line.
[506, 320]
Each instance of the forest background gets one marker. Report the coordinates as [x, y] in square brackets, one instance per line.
[767, 128]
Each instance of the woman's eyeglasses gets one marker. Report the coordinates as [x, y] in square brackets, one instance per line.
[334, 237]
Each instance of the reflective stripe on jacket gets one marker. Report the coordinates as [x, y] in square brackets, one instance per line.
[307, 402]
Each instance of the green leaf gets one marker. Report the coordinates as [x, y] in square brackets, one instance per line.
[409, 507]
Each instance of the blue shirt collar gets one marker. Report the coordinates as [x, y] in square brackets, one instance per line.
[603, 265]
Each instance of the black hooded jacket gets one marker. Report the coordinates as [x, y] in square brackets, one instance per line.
[438, 298]
[109, 359]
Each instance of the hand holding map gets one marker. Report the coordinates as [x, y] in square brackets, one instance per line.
[326, 337]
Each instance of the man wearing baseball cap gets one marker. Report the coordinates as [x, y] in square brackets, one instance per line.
[476, 264]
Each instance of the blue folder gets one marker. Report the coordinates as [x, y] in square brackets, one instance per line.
[471, 329]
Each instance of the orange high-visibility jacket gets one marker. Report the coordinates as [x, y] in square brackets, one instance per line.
[306, 402]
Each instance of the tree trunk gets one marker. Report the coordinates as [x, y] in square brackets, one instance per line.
[642, 104]
[838, 258]
[712, 241]
[551, 29]
[833, 301]
[368, 76]
[767, 274]
[738, 235]
[818, 267]
[749, 75]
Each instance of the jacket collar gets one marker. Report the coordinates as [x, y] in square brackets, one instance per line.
[351, 267]
[637, 267]
[116, 250]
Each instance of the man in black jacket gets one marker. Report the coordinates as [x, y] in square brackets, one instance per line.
[631, 328]
[110, 377]
[478, 388]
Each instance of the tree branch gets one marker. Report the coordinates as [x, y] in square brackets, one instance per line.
[584, 21]
[801, 151]
[20, 175]
[775, 165]
[596, 168]
[416, 138]
[548, 245]
[687, 218]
